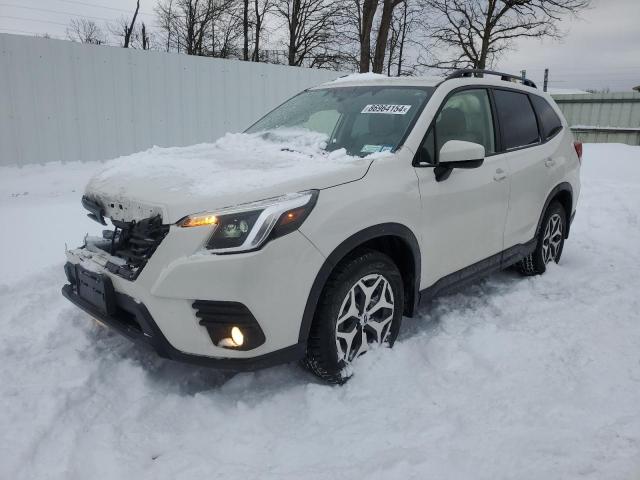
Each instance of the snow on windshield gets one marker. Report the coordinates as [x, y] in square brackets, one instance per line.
[361, 119]
[235, 161]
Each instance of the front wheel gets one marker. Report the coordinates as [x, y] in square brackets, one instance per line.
[360, 307]
[550, 241]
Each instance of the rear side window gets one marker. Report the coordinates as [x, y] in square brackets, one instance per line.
[517, 119]
[551, 123]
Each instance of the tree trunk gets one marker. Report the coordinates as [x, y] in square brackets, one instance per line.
[145, 38]
[402, 38]
[383, 35]
[129, 31]
[293, 31]
[190, 30]
[256, 51]
[369, 8]
[481, 62]
[245, 30]
[213, 39]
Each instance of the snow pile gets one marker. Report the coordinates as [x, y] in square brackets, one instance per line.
[235, 161]
[40, 210]
[527, 378]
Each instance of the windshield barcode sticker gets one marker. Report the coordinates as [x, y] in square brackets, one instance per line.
[388, 109]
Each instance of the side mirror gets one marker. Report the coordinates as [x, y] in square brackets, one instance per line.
[458, 154]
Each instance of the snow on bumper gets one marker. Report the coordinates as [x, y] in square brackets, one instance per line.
[269, 282]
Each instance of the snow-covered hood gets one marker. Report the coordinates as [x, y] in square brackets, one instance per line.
[236, 169]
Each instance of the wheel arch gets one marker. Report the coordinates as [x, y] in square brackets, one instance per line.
[563, 193]
[393, 239]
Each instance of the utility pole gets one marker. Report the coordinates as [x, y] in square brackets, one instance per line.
[546, 79]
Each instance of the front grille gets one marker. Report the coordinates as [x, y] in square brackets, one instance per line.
[133, 242]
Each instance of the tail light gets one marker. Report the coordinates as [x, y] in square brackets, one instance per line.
[578, 147]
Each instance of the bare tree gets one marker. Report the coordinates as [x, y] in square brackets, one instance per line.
[366, 13]
[144, 37]
[472, 33]
[253, 15]
[383, 34]
[361, 24]
[402, 28]
[183, 22]
[125, 32]
[245, 30]
[310, 26]
[260, 9]
[85, 31]
[166, 21]
[195, 22]
[200, 27]
[226, 31]
[130, 36]
[129, 30]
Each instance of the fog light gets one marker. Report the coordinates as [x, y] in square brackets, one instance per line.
[237, 336]
[229, 324]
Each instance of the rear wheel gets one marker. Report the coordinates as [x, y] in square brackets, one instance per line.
[550, 241]
[360, 308]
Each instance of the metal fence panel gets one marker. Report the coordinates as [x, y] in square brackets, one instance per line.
[603, 117]
[63, 101]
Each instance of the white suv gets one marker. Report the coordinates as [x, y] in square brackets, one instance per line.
[420, 186]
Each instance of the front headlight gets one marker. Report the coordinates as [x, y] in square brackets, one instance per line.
[247, 227]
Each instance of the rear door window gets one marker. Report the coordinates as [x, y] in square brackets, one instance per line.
[551, 123]
[517, 119]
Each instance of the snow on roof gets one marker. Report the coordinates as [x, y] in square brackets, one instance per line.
[565, 91]
[370, 78]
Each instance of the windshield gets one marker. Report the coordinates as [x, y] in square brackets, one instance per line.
[362, 120]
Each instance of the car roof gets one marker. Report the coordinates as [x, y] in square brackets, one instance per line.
[375, 79]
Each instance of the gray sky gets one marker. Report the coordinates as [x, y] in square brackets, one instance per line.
[601, 49]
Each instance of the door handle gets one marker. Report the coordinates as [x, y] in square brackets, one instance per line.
[549, 162]
[500, 175]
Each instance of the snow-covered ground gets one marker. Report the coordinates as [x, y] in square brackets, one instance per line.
[527, 378]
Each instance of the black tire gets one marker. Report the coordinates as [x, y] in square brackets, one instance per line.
[322, 356]
[536, 262]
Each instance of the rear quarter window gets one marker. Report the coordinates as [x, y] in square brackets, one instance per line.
[551, 123]
[517, 119]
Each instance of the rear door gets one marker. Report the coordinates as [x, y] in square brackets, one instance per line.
[463, 217]
[530, 162]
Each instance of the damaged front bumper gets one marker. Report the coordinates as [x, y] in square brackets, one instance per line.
[93, 292]
[183, 301]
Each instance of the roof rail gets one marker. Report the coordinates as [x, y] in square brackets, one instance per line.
[474, 72]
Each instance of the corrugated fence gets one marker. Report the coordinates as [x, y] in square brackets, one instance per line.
[63, 101]
[603, 117]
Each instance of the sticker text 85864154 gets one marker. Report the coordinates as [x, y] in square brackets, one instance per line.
[388, 109]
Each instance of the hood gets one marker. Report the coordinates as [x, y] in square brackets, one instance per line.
[236, 169]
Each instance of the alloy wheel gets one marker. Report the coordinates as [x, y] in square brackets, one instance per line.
[365, 317]
[552, 239]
